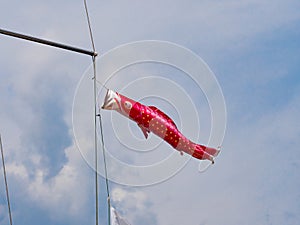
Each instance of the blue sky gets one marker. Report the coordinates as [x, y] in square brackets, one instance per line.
[251, 46]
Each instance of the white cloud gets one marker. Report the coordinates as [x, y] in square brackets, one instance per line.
[134, 205]
[206, 25]
[132, 199]
[64, 196]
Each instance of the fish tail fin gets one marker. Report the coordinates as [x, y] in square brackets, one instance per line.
[212, 151]
[200, 153]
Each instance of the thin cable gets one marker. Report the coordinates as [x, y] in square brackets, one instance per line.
[103, 153]
[103, 85]
[91, 37]
[89, 24]
[105, 166]
[5, 180]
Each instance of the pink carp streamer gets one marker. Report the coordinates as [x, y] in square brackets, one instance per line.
[151, 119]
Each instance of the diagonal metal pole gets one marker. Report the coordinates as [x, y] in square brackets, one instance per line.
[47, 42]
[5, 180]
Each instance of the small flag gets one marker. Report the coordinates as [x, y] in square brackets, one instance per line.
[115, 219]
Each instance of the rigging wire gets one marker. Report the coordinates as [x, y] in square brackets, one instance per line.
[105, 166]
[103, 85]
[95, 126]
[5, 180]
[89, 25]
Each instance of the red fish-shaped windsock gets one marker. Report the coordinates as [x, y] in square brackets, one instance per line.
[151, 119]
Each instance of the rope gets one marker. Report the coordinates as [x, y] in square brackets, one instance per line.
[104, 155]
[105, 166]
[103, 85]
[90, 27]
[5, 180]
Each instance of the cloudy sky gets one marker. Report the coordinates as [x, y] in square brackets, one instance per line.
[251, 46]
